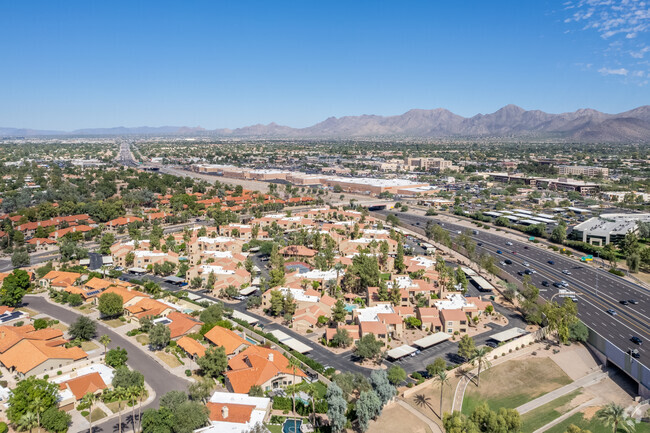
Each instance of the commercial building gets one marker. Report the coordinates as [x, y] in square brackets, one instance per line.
[372, 186]
[603, 229]
[582, 170]
[428, 164]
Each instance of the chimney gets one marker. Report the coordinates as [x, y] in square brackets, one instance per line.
[224, 412]
[271, 357]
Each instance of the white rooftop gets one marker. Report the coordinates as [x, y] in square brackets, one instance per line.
[298, 294]
[217, 240]
[218, 254]
[218, 270]
[376, 182]
[316, 274]
[454, 301]
[369, 314]
[147, 253]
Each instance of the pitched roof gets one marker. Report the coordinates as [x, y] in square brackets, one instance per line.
[453, 315]
[226, 338]
[29, 354]
[181, 323]
[59, 277]
[82, 385]
[191, 346]
[147, 307]
[375, 328]
[236, 413]
[254, 366]
[11, 335]
[97, 284]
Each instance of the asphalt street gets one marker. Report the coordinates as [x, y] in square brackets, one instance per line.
[158, 378]
[596, 290]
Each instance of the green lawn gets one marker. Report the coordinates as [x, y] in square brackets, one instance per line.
[541, 416]
[592, 425]
[321, 389]
[114, 323]
[274, 428]
[514, 383]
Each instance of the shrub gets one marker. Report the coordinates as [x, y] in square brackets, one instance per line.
[409, 385]
[84, 413]
[3, 427]
[188, 372]
[59, 373]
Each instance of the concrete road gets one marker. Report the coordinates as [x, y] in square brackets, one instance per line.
[158, 378]
[597, 290]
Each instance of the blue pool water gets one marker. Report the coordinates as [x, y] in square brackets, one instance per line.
[350, 307]
[288, 426]
[250, 340]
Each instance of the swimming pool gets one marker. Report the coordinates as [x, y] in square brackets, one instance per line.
[250, 340]
[290, 427]
[350, 307]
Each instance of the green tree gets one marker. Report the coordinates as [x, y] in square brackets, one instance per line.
[189, 416]
[614, 415]
[125, 378]
[212, 314]
[54, 420]
[368, 347]
[28, 421]
[157, 421]
[481, 358]
[396, 375]
[110, 304]
[105, 340]
[382, 386]
[108, 239]
[338, 312]
[214, 362]
[40, 324]
[14, 287]
[399, 265]
[256, 391]
[337, 407]
[436, 366]
[368, 407]
[159, 336]
[75, 299]
[466, 347]
[116, 357]
[277, 302]
[84, 328]
[173, 399]
[341, 338]
[89, 400]
[558, 235]
[26, 392]
[578, 331]
[20, 258]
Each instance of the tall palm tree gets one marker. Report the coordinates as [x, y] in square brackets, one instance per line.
[38, 408]
[120, 394]
[89, 398]
[614, 415]
[310, 389]
[294, 364]
[132, 393]
[142, 393]
[480, 356]
[444, 380]
[28, 421]
[105, 340]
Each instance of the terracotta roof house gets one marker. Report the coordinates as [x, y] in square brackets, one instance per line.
[80, 386]
[59, 279]
[192, 347]
[230, 340]
[235, 413]
[258, 365]
[297, 251]
[182, 324]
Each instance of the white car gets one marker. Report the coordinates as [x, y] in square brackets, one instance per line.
[566, 272]
[509, 243]
[526, 264]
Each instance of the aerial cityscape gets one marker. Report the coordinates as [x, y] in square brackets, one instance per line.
[341, 217]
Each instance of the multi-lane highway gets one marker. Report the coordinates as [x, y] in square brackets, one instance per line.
[597, 290]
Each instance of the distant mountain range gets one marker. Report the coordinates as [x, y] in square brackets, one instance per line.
[585, 125]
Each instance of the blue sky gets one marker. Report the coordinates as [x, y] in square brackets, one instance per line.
[77, 64]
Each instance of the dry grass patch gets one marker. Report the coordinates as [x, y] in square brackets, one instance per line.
[395, 418]
[114, 323]
[168, 359]
[87, 346]
[427, 401]
[60, 326]
[142, 339]
[29, 311]
[514, 383]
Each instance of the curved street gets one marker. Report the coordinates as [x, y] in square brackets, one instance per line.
[157, 377]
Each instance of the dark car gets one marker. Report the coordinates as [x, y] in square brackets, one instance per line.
[558, 285]
[551, 262]
[623, 302]
[520, 273]
[633, 301]
[525, 247]
[491, 344]
[499, 252]
[634, 353]
[636, 340]
[508, 261]
[480, 244]
[545, 283]
[514, 252]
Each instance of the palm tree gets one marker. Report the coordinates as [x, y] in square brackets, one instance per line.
[28, 421]
[293, 365]
[105, 340]
[480, 356]
[89, 398]
[38, 407]
[310, 389]
[444, 380]
[132, 394]
[614, 415]
[120, 394]
[141, 394]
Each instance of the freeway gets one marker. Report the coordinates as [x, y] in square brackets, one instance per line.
[597, 290]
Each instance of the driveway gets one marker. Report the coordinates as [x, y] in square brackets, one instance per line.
[160, 380]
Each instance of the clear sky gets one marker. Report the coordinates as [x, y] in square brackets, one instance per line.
[77, 64]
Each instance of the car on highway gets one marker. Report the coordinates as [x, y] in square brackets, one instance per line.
[612, 312]
[545, 283]
[564, 283]
[509, 243]
[551, 262]
[502, 263]
[480, 244]
[633, 301]
[634, 353]
[566, 272]
[459, 232]
[499, 252]
[526, 264]
[556, 284]
[508, 261]
[514, 252]
[525, 247]
[636, 340]
[623, 302]
[521, 273]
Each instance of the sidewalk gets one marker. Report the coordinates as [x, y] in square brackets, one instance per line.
[435, 428]
[592, 402]
[585, 381]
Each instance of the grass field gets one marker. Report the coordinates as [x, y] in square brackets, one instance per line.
[320, 389]
[87, 346]
[142, 339]
[97, 414]
[592, 425]
[274, 428]
[514, 383]
[541, 416]
[427, 401]
[397, 419]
